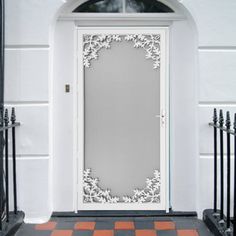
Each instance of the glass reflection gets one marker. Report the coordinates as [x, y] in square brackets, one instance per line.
[116, 6]
[112, 6]
[146, 6]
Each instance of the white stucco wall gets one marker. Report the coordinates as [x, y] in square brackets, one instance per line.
[29, 45]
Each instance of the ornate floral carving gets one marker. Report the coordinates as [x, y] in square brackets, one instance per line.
[151, 193]
[93, 43]
[150, 43]
[94, 194]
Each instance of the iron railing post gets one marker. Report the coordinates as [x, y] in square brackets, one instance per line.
[6, 119]
[234, 222]
[221, 122]
[13, 120]
[2, 62]
[2, 51]
[228, 124]
[215, 160]
[1, 170]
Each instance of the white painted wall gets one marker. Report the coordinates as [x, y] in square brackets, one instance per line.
[28, 48]
[183, 117]
[64, 73]
[29, 54]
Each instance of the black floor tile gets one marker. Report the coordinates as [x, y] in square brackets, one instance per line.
[185, 224]
[199, 224]
[105, 219]
[83, 233]
[124, 233]
[204, 232]
[33, 233]
[65, 224]
[166, 233]
[144, 224]
[104, 225]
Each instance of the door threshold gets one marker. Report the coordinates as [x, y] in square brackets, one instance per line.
[125, 214]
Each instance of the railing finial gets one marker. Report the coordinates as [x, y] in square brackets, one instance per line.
[221, 118]
[6, 117]
[1, 118]
[227, 121]
[235, 121]
[13, 115]
[215, 119]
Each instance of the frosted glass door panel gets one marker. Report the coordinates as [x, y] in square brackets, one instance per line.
[122, 131]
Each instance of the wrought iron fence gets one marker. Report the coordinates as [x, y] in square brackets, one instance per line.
[7, 128]
[219, 218]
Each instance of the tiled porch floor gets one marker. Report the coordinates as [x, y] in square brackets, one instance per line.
[117, 226]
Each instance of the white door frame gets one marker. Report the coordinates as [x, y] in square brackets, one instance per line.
[79, 120]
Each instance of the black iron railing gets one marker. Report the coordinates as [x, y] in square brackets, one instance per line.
[7, 128]
[219, 219]
[2, 51]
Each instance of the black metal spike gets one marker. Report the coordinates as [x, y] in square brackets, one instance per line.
[215, 119]
[13, 115]
[1, 118]
[227, 121]
[6, 117]
[235, 121]
[221, 118]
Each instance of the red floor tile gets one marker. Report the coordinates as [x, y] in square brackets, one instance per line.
[164, 225]
[62, 233]
[145, 232]
[51, 225]
[124, 225]
[187, 232]
[85, 225]
[103, 233]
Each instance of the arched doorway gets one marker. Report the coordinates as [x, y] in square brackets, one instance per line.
[73, 159]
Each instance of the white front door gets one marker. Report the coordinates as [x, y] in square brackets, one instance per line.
[122, 118]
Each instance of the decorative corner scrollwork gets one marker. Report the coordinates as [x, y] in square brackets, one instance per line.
[94, 194]
[151, 193]
[92, 44]
[150, 43]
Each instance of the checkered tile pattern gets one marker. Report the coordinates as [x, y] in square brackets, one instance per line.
[116, 227]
